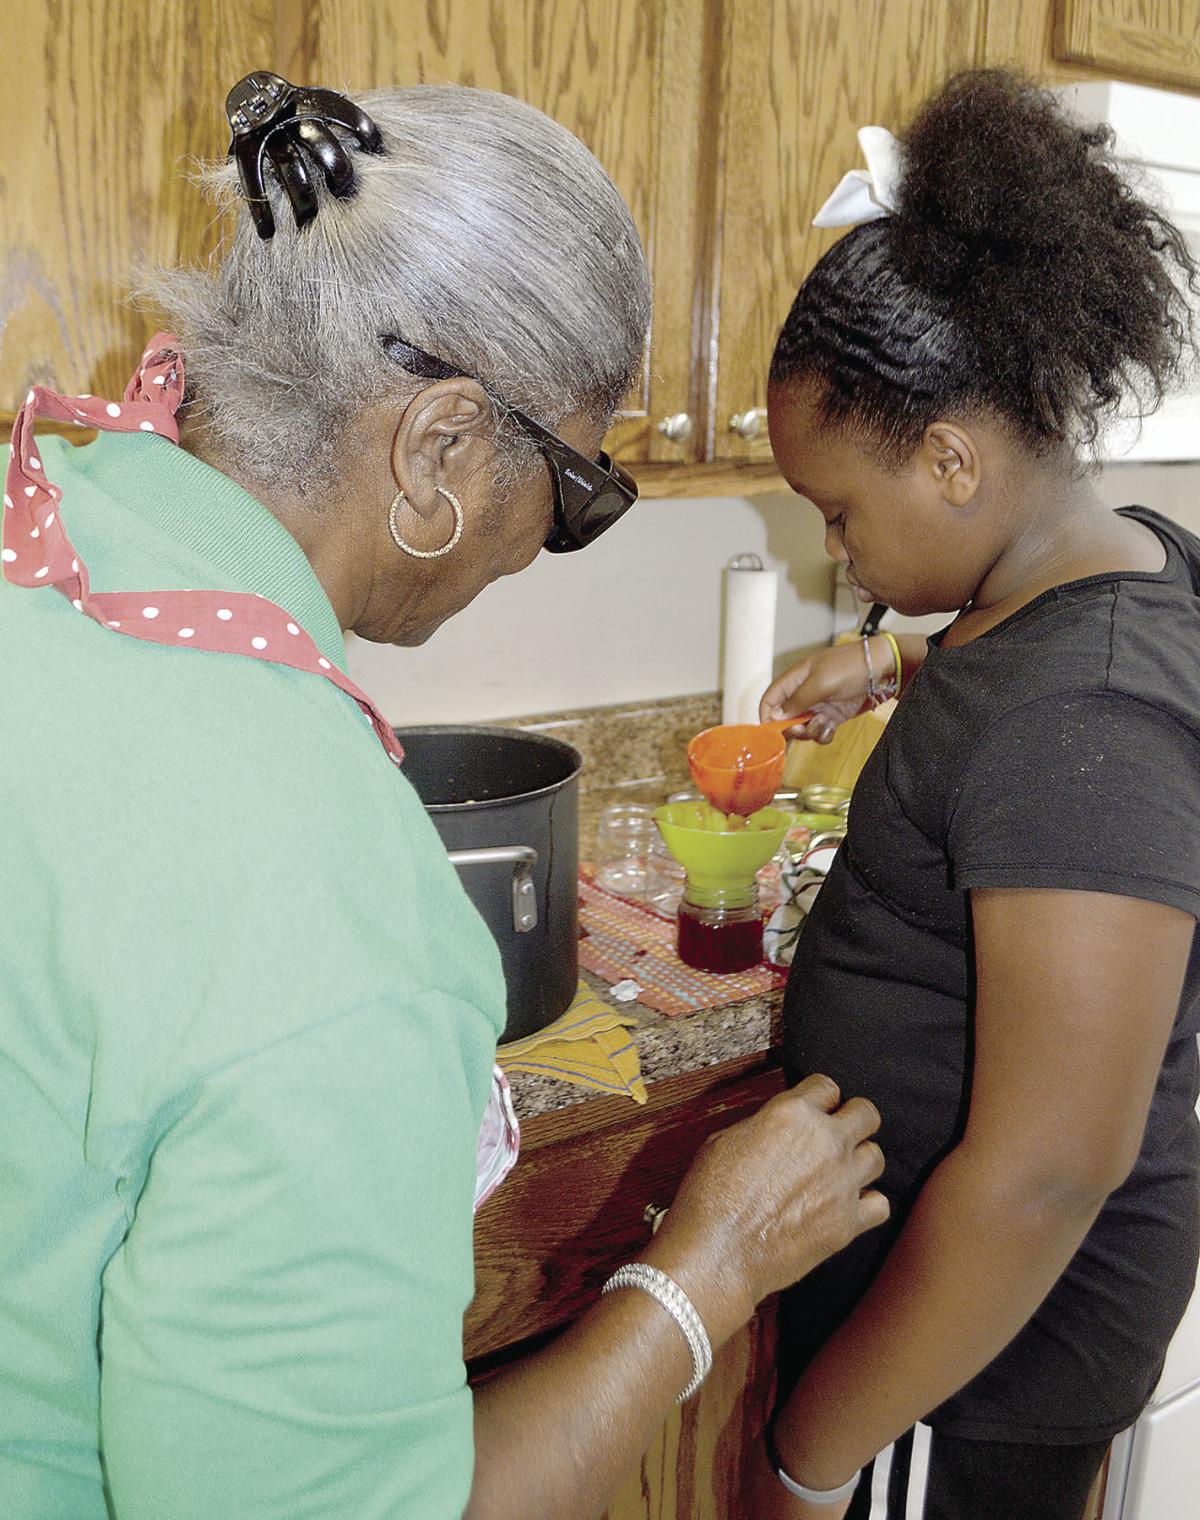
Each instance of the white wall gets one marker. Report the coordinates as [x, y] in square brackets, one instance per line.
[637, 616]
[1172, 489]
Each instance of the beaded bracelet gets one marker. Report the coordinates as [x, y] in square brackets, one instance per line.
[667, 1292]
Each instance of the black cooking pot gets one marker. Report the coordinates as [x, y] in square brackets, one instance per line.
[506, 804]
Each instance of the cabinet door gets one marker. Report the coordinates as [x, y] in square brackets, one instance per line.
[1157, 40]
[1020, 35]
[801, 77]
[693, 1468]
[107, 102]
[625, 75]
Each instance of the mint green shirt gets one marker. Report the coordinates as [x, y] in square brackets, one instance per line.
[247, 1019]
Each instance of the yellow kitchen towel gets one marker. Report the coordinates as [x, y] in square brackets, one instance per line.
[590, 1045]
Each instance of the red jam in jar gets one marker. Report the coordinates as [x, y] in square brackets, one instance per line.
[723, 938]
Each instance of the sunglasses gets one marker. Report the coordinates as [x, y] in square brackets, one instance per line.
[589, 494]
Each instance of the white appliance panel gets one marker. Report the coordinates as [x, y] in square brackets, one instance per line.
[1182, 1368]
[1163, 1482]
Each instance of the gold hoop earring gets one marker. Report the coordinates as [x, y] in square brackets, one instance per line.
[397, 502]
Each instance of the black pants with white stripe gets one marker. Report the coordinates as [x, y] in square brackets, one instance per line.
[927, 1476]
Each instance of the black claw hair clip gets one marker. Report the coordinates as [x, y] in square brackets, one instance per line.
[282, 122]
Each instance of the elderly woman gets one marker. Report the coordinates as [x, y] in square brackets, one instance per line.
[248, 1016]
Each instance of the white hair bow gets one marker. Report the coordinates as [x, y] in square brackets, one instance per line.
[864, 195]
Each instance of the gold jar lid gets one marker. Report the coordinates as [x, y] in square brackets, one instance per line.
[797, 849]
[828, 836]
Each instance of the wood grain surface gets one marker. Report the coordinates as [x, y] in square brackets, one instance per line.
[1156, 40]
[1021, 34]
[116, 97]
[693, 1468]
[571, 1212]
[603, 70]
[723, 122]
[573, 1209]
[803, 76]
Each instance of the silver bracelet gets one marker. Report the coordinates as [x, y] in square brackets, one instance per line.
[818, 1495]
[809, 1495]
[667, 1292]
[872, 689]
[877, 694]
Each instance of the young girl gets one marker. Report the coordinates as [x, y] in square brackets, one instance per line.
[1003, 957]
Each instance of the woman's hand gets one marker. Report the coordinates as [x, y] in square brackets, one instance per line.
[764, 1497]
[770, 1198]
[832, 684]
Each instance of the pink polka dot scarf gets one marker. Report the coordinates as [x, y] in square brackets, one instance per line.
[38, 552]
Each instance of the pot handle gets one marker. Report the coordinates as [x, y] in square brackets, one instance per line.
[522, 858]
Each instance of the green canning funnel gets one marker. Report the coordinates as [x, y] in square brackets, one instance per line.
[717, 859]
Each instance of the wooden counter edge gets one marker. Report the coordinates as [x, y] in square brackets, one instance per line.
[603, 1112]
[574, 1207]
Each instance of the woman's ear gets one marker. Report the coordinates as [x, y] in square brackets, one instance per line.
[444, 437]
[951, 456]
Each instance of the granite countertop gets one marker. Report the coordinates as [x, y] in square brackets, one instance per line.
[638, 754]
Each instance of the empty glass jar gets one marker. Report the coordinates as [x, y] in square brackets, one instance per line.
[625, 836]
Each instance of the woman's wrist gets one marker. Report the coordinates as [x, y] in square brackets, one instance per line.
[671, 1298]
[721, 1305]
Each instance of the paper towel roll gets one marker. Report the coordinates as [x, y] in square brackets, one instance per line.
[750, 597]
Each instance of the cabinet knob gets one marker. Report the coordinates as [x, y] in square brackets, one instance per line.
[654, 1214]
[677, 428]
[748, 425]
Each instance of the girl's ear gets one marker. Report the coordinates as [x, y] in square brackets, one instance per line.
[951, 456]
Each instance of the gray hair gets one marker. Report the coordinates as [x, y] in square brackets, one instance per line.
[487, 235]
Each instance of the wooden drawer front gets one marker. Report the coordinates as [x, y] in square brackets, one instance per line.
[573, 1208]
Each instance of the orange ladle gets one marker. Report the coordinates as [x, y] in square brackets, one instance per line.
[738, 766]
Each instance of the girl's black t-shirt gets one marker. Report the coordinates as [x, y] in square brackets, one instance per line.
[1060, 749]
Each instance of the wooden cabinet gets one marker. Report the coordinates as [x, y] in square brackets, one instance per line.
[624, 77]
[1157, 40]
[801, 76]
[121, 97]
[575, 1206]
[723, 122]
[572, 1211]
[693, 1468]
[107, 101]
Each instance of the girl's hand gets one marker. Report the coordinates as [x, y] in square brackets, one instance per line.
[831, 683]
[765, 1498]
